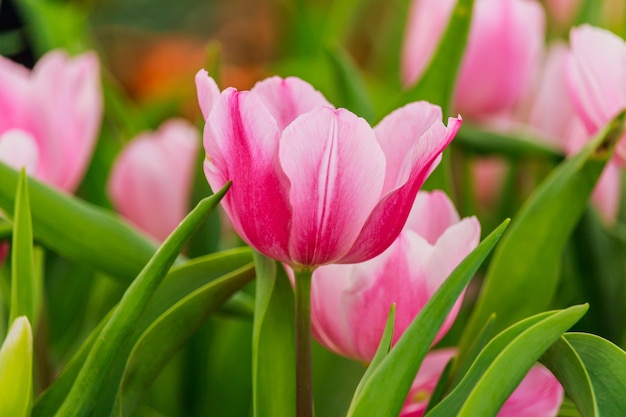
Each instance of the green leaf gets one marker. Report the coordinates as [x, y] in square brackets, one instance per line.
[23, 276]
[437, 83]
[385, 391]
[169, 331]
[78, 230]
[452, 403]
[273, 342]
[441, 387]
[83, 396]
[486, 142]
[349, 84]
[606, 366]
[463, 363]
[563, 361]
[510, 366]
[526, 265]
[341, 18]
[183, 279]
[16, 368]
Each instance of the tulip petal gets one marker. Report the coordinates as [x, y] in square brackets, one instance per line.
[431, 215]
[288, 98]
[151, 179]
[15, 93]
[390, 215]
[538, 395]
[241, 141]
[336, 169]
[69, 102]
[606, 196]
[597, 75]
[208, 92]
[19, 149]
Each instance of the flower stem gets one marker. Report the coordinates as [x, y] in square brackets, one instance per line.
[304, 373]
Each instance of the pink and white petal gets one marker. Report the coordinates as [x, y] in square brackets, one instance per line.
[392, 211]
[427, 21]
[208, 92]
[431, 215]
[329, 315]
[288, 98]
[597, 74]
[539, 395]
[18, 149]
[245, 137]
[336, 169]
[398, 133]
[15, 93]
[606, 195]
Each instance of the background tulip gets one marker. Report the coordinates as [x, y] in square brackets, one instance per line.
[50, 116]
[597, 79]
[505, 40]
[311, 184]
[152, 178]
[350, 303]
[538, 395]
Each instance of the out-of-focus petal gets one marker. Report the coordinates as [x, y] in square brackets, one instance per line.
[19, 149]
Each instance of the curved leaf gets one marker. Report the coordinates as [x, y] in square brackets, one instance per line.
[16, 368]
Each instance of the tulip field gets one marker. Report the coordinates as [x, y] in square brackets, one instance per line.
[299, 208]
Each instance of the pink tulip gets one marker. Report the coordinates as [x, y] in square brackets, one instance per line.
[553, 117]
[50, 116]
[505, 40]
[597, 79]
[538, 395]
[311, 184]
[152, 178]
[350, 303]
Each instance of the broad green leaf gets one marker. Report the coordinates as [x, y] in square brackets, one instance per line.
[78, 230]
[441, 387]
[452, 403]
[486, 142]
[16, 369]
[183, 279]
[169, 331]
[349, 83]
[385, 391]
[463, 363]
[437, 83]
[6, 229]
[273, 342]
[509, 368]
[104, 353]
[23, 275]
[526, 265]
[563, 361]
[606, 365]
[381, 352]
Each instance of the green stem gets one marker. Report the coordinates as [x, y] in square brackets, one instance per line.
[304, 372]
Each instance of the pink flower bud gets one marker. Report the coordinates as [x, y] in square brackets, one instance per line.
[311, 184]
[505, 40]
[350, 303]
[50, 116]
[152, 178]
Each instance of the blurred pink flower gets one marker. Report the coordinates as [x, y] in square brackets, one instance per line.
[538, 395]
[350, 303]
[597, 79]
[311, 184]
[152, 178]
[506, 38]
[50, 116]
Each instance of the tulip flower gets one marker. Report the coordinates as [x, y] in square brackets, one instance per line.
[152, 178]
[597, 79]
[505, 40]
[538, 395]
[311, 184]
[50, 116]
[350, 303]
